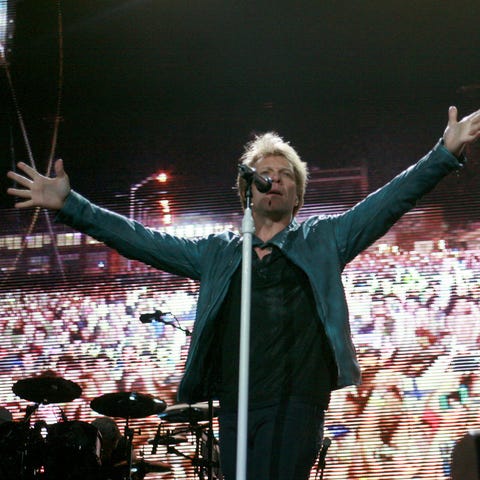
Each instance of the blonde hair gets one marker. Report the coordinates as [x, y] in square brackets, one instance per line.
[269, 144]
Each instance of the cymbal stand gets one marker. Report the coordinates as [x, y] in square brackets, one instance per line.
[322, 456]
[29, 411]
[171, 449]
[129, 432]
[193, 460]
[197, 461]
[201, 465]
[206, 465]
[210, 440]
[156, 439]
[62, 414]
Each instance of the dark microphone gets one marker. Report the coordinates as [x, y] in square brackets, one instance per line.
[323, 452]
[157, 315]
[263, 184]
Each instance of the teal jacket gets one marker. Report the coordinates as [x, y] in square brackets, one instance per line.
[321, 246]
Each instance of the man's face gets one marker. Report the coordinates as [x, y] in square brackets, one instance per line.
[279, 202]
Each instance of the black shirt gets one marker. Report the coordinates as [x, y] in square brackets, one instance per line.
[289, 353]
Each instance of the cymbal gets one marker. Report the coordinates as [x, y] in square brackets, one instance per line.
[185, 413]
[127, 405]
[143, 466]
[47, 389]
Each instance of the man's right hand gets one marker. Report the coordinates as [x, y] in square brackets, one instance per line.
[40, 191]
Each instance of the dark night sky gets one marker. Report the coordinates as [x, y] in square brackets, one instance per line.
[174, 84]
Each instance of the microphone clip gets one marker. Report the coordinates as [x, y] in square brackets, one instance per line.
[250, 175]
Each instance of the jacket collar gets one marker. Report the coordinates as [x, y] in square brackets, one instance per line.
[280, 238]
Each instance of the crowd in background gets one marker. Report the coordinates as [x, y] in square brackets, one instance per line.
[415, 321]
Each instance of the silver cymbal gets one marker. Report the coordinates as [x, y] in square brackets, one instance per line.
[127, 405]
[188, 413]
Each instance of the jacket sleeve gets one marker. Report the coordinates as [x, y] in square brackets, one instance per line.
[370, 219]
[131, 239]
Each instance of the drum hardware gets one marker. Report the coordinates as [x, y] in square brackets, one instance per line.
[128, 432]
[29, 411]
[142, 467]
[203, 461]
[72, 451]
[128, 405]
[189, 413]
[21, 451]
[210, 441]
[168, 438]
[156, 439]
[25, 451]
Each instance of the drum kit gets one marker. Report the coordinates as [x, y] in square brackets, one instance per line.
[72, 449]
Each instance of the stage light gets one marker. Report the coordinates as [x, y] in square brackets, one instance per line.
[165, 204]
[162, 177]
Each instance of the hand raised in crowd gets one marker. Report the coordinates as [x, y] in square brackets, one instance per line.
[39, 190]
[460, 133]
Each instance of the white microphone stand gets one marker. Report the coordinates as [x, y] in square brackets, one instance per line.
[248, 229]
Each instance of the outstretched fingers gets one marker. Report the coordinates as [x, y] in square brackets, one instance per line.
[25, 193]
[38, 190]
[25, 204]
[19, 192]
[20, 179]
[473, 122]
[30, 171]
[22, 193]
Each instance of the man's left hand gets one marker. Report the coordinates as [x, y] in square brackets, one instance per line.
[460, 133]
